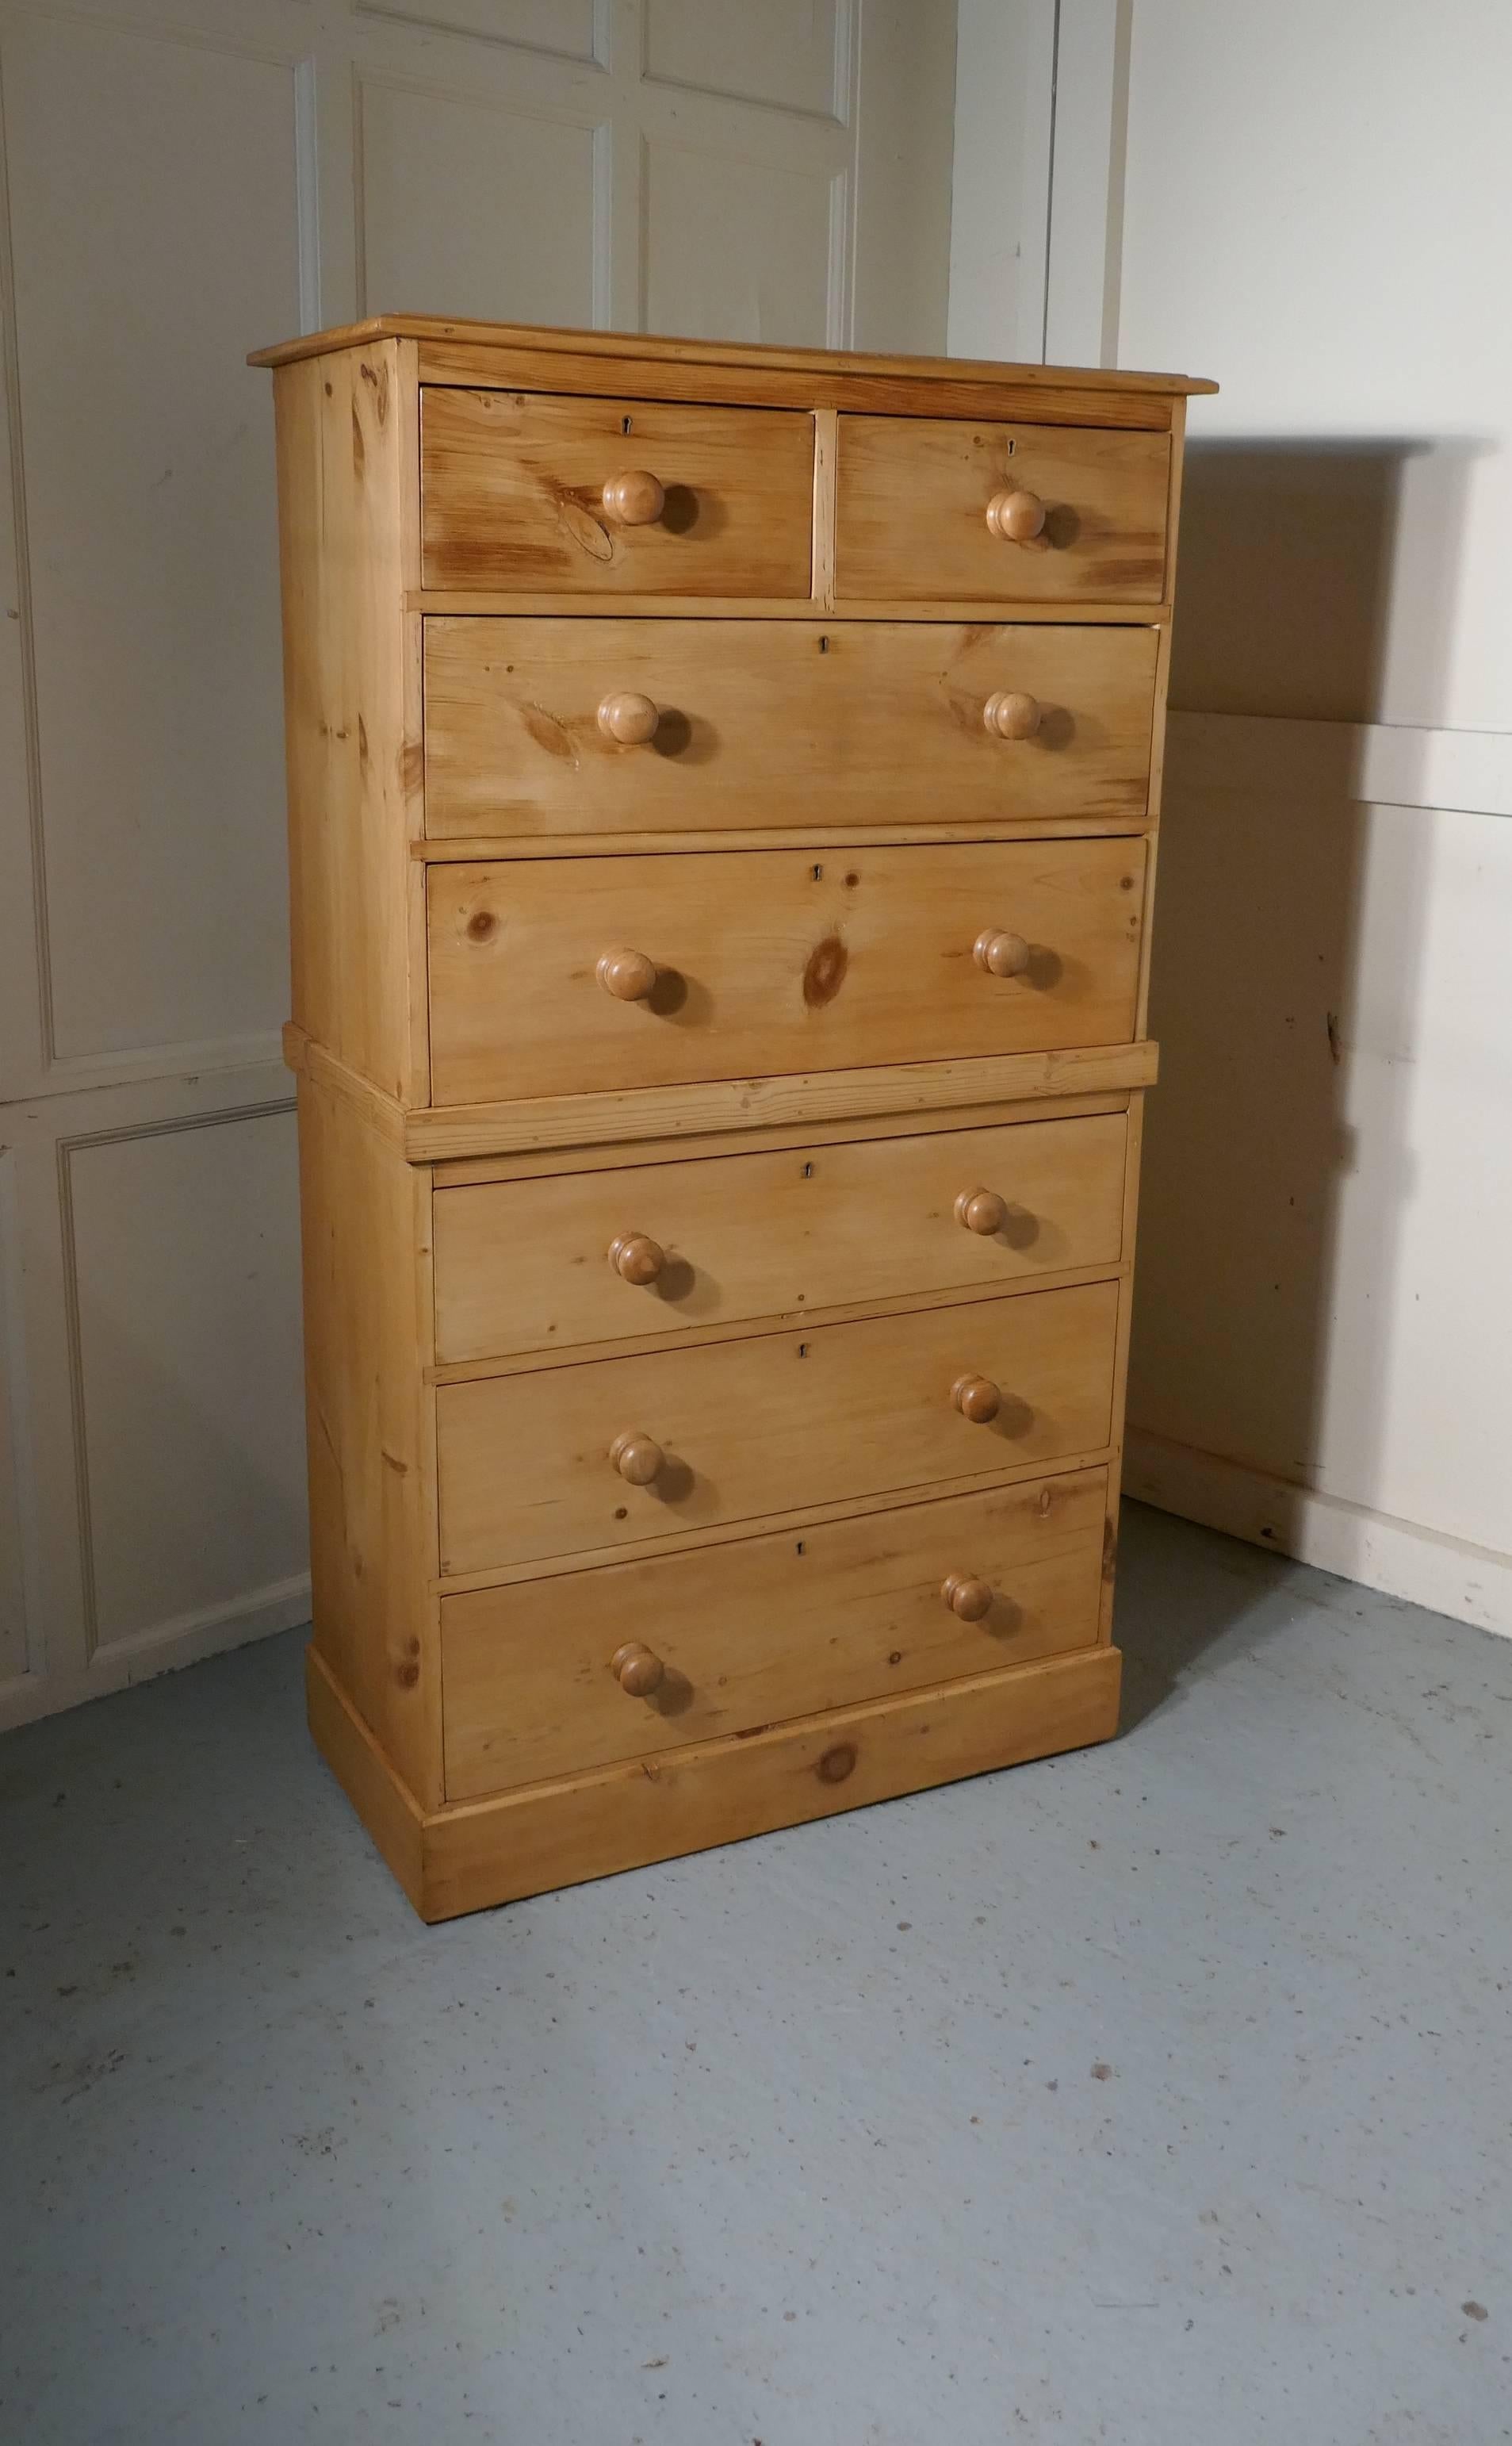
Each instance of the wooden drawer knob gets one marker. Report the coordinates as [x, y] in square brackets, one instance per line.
[638, 1458]
[1010, 714]
[635, 499]
[635, 1258]
[628, 717]
[969, 1599]
[976, 1398]
[981, 1210]
[1000, 954]
[629, 977]
[1016, 518]
[638, 1670]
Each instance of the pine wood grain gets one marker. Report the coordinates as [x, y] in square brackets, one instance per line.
[912, 496]
[772, 961]
[512, 489]
[616, 1817]
[870, 723]
[511, 601]
[793, 1518]
[644, 352]
[765, 1631]
[370, 1414]
[524, 1266]
[750, 1427]
[470, 849]
[723, 1105]
[943, 392]
[540, 1163]
[351, 702]
[783, 843]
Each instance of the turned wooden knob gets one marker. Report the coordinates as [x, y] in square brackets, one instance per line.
[1010, 714]
[638, 1669]
[1016, 517]
[976, 1398]
[635, 499]
[638, 1458]
[1000, 954]
[981, 1210]
[629, 977]
[968, 1598]
[635, 1258]
[628, 717]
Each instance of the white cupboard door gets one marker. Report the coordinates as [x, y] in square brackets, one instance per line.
[185, 180]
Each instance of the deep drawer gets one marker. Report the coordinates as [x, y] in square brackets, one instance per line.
[592, 726]
[618, 1450]
[978, 512]
[764, 1629]
[553, 495]
[551, 977]
[647, 1249]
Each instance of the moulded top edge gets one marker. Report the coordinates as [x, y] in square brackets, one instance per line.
[630, 347]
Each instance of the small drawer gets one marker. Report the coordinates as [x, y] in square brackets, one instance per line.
[556, 977]
[544, 496]
[555, 1676]
[973, 511]
[589, 725]
[648, 1249]
[616, 1451]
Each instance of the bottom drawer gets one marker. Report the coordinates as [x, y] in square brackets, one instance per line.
[764, 1629]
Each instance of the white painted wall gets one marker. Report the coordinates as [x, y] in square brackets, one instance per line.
[184, 180]
[1317, 211]
[1006, 69]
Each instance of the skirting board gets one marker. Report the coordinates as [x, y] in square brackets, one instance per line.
[164, 1648]
[1449, 1576]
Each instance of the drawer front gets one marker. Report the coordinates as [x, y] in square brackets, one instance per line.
[599, 1256]
[1076, 516]
[556, 977]
[745, 723]
[764, 1631]
[613, 496]
[616, 1450]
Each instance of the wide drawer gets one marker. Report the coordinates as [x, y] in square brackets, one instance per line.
[765, 1629]
[549, 496]
[968, 509]
[614, 1451]
[551, 977]
[589, 725]
[647, 1249]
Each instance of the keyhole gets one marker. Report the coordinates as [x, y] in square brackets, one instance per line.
[627, 424]
[818, 875]
[808, 1171]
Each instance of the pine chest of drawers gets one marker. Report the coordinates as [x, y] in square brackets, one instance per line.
[722, 793]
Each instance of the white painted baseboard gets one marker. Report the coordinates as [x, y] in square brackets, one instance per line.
[161, 1650]
[1447, 1574]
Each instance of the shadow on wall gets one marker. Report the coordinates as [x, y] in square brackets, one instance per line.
[1288, 945]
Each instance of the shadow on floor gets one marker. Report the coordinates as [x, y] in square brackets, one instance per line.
[1182, 1600]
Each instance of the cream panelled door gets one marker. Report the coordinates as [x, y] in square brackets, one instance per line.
[184, 180]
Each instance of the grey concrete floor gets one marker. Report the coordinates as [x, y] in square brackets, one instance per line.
[1158, 2096]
